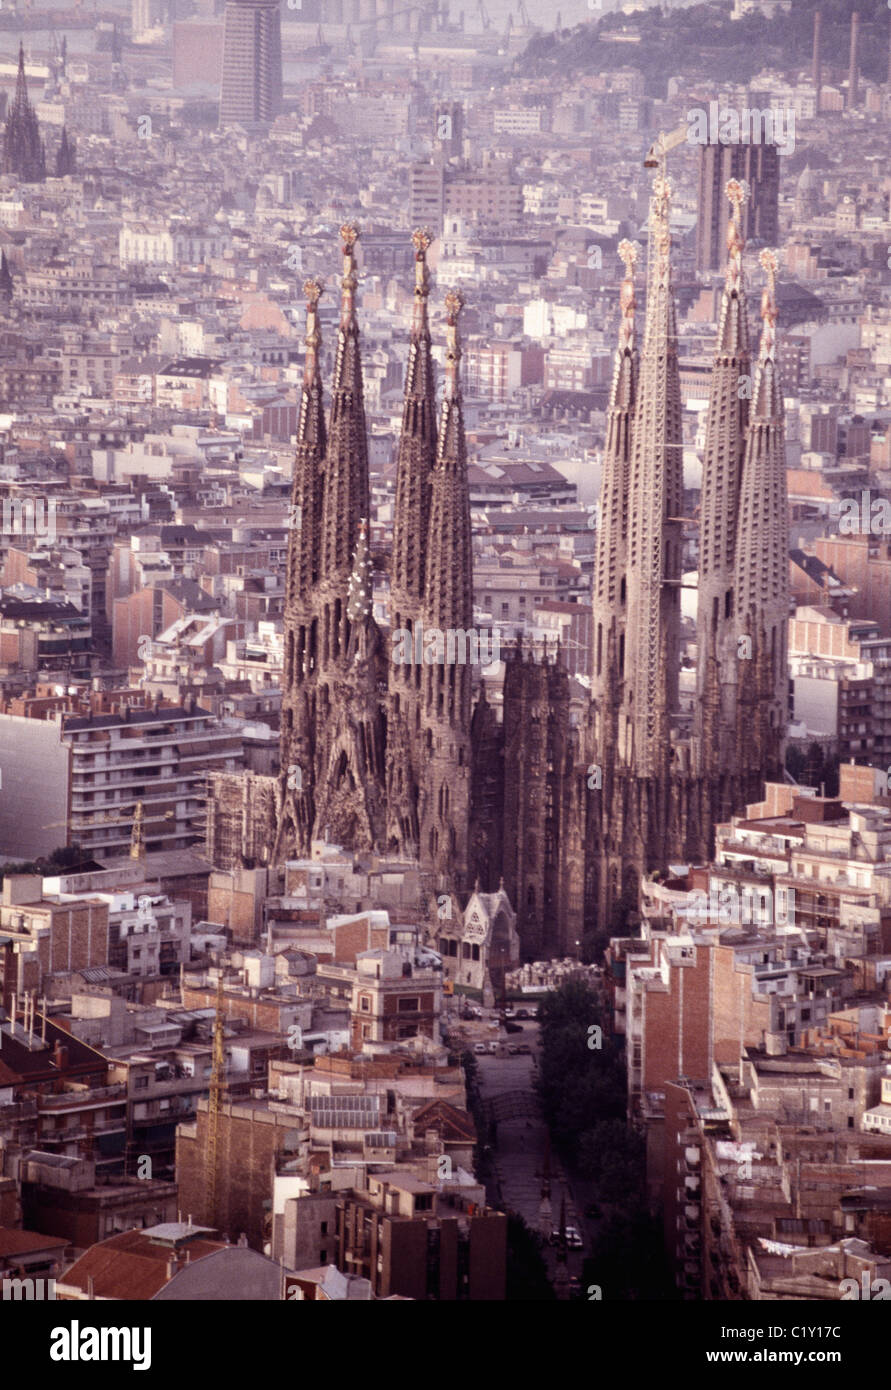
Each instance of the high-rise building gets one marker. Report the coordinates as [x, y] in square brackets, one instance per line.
[146, 15]
[427, 194]
[758, 166]
[251, 82]
[448, 128]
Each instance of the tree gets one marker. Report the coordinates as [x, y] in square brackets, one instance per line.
[612, 1155]
[527, 1275]
[581, 1071]
[628, 1259]
[65, 857]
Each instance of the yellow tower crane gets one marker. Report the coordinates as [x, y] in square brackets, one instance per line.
[137, 834]
[217, 1086]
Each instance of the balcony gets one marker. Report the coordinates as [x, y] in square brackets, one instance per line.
[80, 1100]
[20, 1110]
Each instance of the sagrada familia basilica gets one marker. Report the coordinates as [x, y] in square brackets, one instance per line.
[561, 801]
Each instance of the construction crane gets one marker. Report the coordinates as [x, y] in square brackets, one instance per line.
[137, 834]
[663, 145]
[117, 814]
[215, 1099]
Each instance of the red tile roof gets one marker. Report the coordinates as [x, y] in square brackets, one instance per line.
[26, 1242]
[130, 1265]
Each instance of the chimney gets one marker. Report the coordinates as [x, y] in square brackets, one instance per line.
[853, 73]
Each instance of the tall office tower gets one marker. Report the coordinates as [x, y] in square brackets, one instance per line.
[448, 128]
[426, 197]
[23, 152]
[251, 82]
[758, 166]
[853, 63]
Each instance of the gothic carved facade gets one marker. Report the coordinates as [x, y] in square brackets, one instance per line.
[574, 793]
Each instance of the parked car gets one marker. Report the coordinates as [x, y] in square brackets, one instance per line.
[480, 1047]
[512, 1049]
[573, 1238]
[513, 1027]
[522, 1013]
[491, 1047]
[523, 1049]
[507, 1013]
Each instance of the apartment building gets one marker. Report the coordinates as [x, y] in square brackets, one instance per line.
[406, 1239]
[396, 994]
[87, 775]
[496, 371]
[768, 1190]
[62, 1195]
[43, 939]
[251, 81]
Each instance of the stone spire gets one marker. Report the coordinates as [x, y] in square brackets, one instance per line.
[448, 612]
[725, 434]
[346, 496]
[417, 452]
[64, 155]
[347, 727]
[652, 650]
[6, 280]
[305, 514]
[417, 456]
[23, 152]
[448, 592]
[359, 589]
[609, 588]
[301, 624]
[761, 577]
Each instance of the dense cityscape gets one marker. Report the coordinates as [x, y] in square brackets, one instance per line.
[445, 654]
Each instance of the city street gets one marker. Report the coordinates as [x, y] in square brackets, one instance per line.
[508, 1082]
